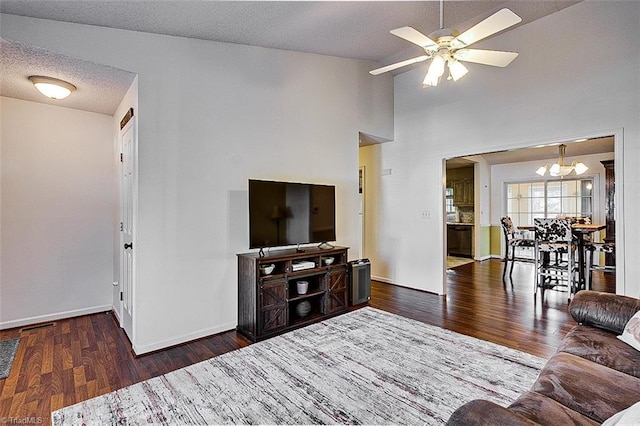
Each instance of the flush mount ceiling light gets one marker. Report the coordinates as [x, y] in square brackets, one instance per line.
[52, 87]
[561, 169]
[448, 47]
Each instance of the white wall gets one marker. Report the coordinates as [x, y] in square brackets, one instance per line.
[577, 75]
[57, 198]
[212, 115]
[482, 205]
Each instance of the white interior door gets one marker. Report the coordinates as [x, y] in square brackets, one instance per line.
[127, 219]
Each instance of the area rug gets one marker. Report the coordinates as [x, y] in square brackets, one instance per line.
[8, 350]
[364, 367]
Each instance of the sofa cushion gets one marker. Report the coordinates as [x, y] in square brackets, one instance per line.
[480, 412]
[589, 388]
[631, 333]
[544, 410]
[603, 310]
[603, 347]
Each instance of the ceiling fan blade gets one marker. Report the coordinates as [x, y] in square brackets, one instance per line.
[497, 22]
[494, 58]
[399, 65]
[414, 36]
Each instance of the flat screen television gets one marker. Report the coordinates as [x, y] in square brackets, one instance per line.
[288, 213]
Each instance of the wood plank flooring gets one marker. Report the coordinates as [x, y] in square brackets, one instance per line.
[84, 357]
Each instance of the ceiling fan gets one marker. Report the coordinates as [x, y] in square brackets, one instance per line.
[448, 46]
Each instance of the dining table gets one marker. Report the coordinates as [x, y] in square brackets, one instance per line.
[580, 231]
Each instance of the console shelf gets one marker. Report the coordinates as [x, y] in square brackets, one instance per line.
[300, 297]
[268, 300]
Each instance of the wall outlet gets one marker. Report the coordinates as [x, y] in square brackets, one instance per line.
[426, 214]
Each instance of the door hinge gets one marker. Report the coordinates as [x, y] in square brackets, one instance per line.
[121, 157]
[121, 296]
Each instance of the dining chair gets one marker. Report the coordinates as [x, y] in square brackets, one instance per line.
[591, 249]
[513, 239]
[555, 236]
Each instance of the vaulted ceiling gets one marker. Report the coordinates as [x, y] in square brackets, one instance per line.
[354, 29]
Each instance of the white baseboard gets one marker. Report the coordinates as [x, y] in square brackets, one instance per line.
[117, 315]
[53, 317]
[143, 349]
[388, 281]
[483, 258]
[385, 280]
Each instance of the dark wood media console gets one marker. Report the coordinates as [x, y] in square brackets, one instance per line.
[269, 303]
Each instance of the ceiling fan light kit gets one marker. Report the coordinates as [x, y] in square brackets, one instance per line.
[457, 70]
[436, 69]
[448, 46]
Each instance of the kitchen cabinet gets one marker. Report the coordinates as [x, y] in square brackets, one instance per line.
[462, 192]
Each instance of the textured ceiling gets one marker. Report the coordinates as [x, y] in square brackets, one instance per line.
[98, 88]
[353, 29]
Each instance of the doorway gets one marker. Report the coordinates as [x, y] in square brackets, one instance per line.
[460, 212]
[128, 225]
[505, 167]
[371, 174]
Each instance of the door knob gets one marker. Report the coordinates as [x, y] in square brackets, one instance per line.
[128, 246]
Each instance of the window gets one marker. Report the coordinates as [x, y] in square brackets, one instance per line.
[529, 200]
[449, 207]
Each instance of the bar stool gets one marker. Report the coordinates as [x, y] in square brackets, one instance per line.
[555, 236]
[591, 249]
[513, 239]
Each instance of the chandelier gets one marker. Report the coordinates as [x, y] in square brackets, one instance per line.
[560, 168]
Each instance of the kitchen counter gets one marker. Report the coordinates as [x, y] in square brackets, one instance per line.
[460, 223]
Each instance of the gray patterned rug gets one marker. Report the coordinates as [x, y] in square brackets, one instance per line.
[8, 350]
[364, 367]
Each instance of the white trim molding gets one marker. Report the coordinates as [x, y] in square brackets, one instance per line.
[178, 340]
[54, 317]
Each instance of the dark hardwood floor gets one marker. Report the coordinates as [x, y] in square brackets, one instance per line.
[80, 358]
[478, 303]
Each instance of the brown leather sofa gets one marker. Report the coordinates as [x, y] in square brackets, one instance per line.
[592, 376]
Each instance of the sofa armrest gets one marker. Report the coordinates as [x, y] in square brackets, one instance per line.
[484, 413]
[607, 311]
